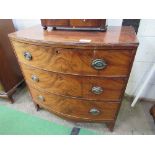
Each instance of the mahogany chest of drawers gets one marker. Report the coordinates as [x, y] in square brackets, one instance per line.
[79, 76]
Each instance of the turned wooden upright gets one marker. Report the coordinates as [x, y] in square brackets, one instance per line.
[80, 76]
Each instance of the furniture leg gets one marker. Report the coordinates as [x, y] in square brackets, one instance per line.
[11, 99]
[45, 27]
[110, 126]
[37, 107]
[152, 112]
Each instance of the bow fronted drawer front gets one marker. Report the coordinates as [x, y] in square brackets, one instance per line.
[108, 63]
[76, 109]
[91, 88]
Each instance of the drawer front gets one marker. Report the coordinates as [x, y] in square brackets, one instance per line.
[55, 22]
[87, 22]
[75, 61]
[75, 108]
[77, 86]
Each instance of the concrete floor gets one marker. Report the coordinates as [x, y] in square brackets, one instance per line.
[130, 121]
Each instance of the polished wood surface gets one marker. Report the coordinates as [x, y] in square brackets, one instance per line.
[76, 108]
[74, 22]
[87, 22]
[74, 86]
[10, 73]
[64, 74]
[114, 37]
[75, 61]
[55, 22]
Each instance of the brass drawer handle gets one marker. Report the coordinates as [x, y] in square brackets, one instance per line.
[97, 90]
[35, 78]
[27, 55]
[99, 64]
[41, 98]
[94, 111]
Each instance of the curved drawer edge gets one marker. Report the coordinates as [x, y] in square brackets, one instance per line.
[131, 46]
[74, 118]
[73, 97]
[73, 74]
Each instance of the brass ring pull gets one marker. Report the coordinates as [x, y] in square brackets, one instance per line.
[28, 56]
[97, 90]
[41, 98]
[99, 64]
[35, 78]
[94, 111]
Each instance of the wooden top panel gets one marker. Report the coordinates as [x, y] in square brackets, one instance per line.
[115, 36]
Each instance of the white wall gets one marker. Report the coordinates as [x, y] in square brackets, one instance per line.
[25, 23]
[144, 59]
[114, 22]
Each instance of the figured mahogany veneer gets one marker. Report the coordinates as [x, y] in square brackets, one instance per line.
[75, 61]
[55, 22]
[75, 86]
[62, 75]
[76, 108]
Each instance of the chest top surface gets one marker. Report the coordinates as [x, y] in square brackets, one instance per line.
[114, 36]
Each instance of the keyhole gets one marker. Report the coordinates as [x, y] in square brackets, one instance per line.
[60, 78]
[57, 52]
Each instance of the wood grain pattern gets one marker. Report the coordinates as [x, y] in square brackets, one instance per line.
[75, 86]
[75, 61]
[87, 22]
[66, 76]
[73, 22]
[75, 108]
[114, 38]
[55, 22]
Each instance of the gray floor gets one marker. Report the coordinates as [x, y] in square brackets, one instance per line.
[130, 121]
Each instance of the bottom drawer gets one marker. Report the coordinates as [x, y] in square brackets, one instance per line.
[74, 108]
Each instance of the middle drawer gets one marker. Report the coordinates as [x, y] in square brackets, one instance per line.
[93, 88]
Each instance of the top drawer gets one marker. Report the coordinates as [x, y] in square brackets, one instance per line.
[75, 61]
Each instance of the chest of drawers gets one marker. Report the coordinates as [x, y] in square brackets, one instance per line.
[80, 76]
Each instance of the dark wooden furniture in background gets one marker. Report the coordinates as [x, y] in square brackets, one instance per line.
[75, 24]
[10, 73]
[77, 75]
[132, 22]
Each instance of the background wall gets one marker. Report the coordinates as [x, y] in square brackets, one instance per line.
[25, 23]
[143, 61]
